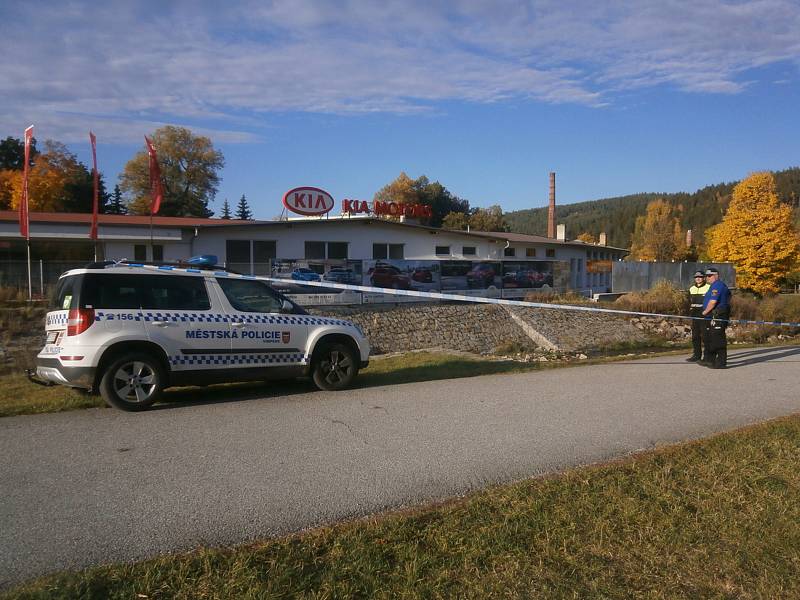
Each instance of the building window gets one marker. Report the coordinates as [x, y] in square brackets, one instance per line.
[469, 251]
[530, 252]
[323, 250]
[158, 253]
[315, 250]
[237, 251]
[509, 252]
[140, 252]
[383, 251]
[379, 251]
[264, 251]
[550, 253]
[337, 249]
[443, 250]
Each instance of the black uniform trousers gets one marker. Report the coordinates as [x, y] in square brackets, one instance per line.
[698, 334]
[715, 339]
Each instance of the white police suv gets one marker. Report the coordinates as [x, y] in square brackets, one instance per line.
[130, 330]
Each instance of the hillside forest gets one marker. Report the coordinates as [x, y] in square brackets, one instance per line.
[617, 216]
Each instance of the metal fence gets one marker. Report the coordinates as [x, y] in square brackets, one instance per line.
[636, 276]
[44, 274]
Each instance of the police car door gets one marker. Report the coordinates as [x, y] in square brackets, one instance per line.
[180, 317]
[261, 334]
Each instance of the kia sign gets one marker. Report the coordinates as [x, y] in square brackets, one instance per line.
[309, 201]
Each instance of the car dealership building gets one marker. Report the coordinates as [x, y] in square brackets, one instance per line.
[423, 257]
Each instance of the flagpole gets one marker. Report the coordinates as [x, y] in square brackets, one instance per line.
[25, 229]
[30, 284]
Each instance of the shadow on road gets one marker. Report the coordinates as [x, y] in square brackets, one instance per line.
[738, 358]
[454, 368]
[763, 355]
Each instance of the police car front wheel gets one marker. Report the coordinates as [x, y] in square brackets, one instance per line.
[132, 382]
[335, 367]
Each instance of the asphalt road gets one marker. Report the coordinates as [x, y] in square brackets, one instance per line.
[94, 486]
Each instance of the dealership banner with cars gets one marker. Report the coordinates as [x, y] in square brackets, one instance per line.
[470, 278]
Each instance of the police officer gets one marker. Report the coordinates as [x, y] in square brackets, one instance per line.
[696, 293]
[717, 311]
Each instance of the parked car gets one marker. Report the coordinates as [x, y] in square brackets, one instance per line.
[481, 276]
[305, 274]
[345, 276]
[128, 332]
[517, 279]
[422, 275]
[389, 276]
[525, 278]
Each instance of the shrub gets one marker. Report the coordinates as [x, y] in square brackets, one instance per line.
[744, 306]
[663, 298]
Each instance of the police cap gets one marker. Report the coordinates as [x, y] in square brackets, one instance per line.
[698, 274]
[712, 271]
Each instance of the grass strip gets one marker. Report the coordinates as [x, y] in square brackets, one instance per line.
[719, 518]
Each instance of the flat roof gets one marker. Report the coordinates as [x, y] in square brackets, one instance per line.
[158, 221]
[52, 217]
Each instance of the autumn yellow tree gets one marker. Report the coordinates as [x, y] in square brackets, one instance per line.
[587, 238]
[657, 235]
[57, 182]
[756, 235]
[402, 190]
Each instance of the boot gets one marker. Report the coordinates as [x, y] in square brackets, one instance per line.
[693, 358]
[721, 359]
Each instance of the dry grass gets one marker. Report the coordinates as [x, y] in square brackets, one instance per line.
[718, 518]
[662, 298]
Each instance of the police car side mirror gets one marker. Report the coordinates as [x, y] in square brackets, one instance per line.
[287, 307]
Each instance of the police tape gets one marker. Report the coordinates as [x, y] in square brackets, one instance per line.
[453, 297]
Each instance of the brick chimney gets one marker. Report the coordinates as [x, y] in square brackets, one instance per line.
[689, 238]
[551, 211]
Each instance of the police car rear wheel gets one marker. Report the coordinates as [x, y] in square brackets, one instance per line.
[133, 382]
[335, 368]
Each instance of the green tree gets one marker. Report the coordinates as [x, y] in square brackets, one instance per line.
[12, 153]
[115, 204]
[487, 219]
[243, 211]
[189, 173]
[456, 220]
[226, 210]
[757, 235]
[657, 235]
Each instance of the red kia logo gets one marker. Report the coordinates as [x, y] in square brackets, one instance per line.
[309, 201]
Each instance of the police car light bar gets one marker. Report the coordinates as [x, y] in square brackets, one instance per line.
[203, 260]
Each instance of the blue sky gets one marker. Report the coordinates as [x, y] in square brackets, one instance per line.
[485, 97]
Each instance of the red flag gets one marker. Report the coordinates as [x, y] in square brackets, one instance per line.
[24, 228]
[95, 202]
[156, 193]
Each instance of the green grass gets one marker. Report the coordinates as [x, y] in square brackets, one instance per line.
[20, 397]
[719, 518]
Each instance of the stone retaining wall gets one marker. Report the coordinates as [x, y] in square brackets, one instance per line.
[482, 328]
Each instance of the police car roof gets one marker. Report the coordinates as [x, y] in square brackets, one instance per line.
[147, 269]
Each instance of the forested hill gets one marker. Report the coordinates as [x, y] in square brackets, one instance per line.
[617, 216]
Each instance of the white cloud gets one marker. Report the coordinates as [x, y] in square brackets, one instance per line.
[131, 67]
